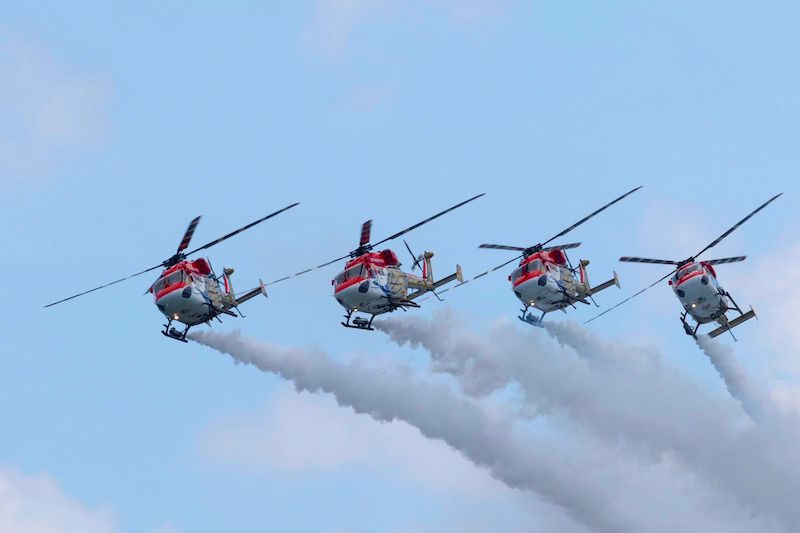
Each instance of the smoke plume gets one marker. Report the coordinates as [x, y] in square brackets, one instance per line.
[609, 432]
[630, 398]
[486, 439]
[732, 373]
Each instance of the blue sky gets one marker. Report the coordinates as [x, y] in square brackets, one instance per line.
[121, 122]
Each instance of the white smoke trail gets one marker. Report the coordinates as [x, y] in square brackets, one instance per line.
[736, 379]
[617, 391]
[485, 439]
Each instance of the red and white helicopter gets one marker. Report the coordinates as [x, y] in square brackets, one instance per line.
[695, 284]
[373, 283]
[546, 279]
[189, 291]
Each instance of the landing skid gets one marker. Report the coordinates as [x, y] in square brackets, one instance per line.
[743, 317]
[173, 333]
[528, 318]
[689, 330]
[358, 322]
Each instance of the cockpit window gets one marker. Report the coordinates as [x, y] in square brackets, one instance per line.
[688, 270]
[172, 279]
[357, 271]
[533, 266]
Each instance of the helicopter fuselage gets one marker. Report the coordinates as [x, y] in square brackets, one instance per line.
[696, 287]
[543, 281]
[189, 293]
[372, 283]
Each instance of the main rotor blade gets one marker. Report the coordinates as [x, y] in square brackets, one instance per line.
[104, 286]
[649, 261]
[745, 219]
[567, 246]
[631, 297]
[437, 215]
[366, 230]
[334, 261]
[231, 234]
[366, 246]
[306, 271]
[498, 267]
[584, 219]
[187, 237]
[726, 260]
[482, 274]
[502, 247]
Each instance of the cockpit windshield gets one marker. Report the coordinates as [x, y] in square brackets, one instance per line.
[688, 270]
[358, 271]
[533, 266]
[166, 281]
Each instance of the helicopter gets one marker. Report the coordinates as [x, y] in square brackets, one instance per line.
[372, 283]
[696, 287]
[189, 291]
[546, 279]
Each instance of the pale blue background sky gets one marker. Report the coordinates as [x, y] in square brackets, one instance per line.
[120, 122]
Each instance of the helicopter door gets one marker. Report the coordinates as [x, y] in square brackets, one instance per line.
[212, 287]
[396, 284]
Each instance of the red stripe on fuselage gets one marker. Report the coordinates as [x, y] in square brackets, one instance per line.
[348, 283]
[166, 290]
[527, 277]
[688, 277]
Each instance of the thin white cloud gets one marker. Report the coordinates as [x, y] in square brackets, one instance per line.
[36, 504]
[47, 111]
[334, 22]
[304, 433]
[469, 12]
[166, 528]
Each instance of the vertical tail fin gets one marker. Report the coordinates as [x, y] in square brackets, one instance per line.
[227, 284]
[427, 269]
[583, 273]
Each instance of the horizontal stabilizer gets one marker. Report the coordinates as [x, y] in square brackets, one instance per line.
[603, 286]
[448, 279]
[733, 323]
[261, 289]
[458, 276]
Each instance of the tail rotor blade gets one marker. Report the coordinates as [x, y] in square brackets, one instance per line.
[414, 258]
